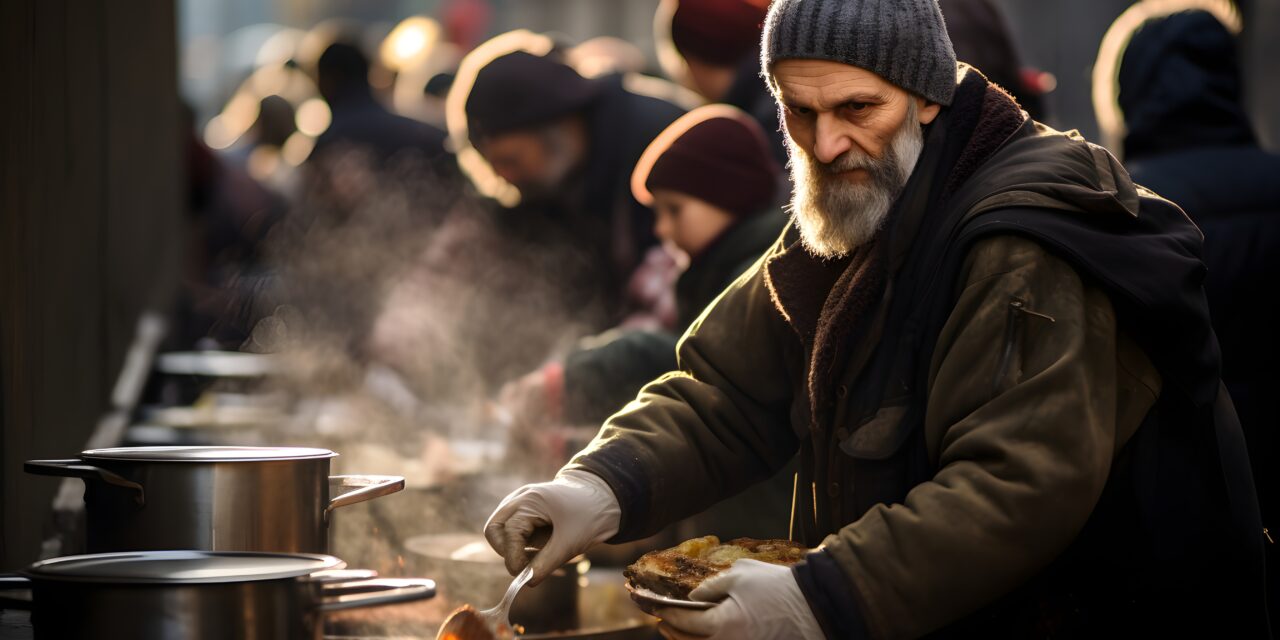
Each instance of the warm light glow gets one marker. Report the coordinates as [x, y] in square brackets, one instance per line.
[272, 80]
[263, 162]
[313, 117]
[224, 129]
[409, 42]
[216, 135]
[297, 148]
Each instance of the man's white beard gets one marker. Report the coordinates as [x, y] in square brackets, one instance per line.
[836, 216]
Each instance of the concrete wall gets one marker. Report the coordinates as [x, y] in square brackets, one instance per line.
[90, 213]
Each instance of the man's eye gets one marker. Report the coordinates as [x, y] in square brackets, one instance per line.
[799, 111]
[856, 106]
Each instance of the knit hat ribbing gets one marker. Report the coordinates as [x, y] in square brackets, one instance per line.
[715, 153]
[902, 41]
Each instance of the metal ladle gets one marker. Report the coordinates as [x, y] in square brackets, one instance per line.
[465, 623]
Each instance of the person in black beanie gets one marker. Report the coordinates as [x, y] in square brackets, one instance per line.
[567, 145]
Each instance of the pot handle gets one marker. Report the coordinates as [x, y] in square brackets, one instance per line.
[14, 581]
[328, 576]
[375, 592]
[76, 468]
[369, 487]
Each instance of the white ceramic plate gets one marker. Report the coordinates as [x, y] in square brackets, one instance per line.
[649, 601]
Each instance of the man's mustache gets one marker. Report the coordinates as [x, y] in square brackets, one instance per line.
[848, 161]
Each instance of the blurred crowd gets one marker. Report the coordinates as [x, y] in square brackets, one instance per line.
[536, 222]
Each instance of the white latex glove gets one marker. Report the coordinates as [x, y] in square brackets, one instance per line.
[758, 601]
[578, 506]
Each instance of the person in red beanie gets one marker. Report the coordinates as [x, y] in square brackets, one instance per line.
[715, 190]
[713, 48]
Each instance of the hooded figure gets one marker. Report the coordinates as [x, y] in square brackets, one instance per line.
[1188, 139]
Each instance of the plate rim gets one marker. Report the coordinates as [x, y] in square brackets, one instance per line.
[658, 599]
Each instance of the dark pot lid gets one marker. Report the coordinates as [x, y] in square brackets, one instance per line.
[205, 454]
[181, 567]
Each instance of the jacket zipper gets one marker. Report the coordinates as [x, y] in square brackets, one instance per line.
[1012, 335]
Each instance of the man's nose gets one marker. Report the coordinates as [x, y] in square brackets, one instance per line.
[830, 139]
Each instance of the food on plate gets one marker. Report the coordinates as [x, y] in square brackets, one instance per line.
[676, 571]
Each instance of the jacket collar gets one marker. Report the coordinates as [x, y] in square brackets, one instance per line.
[965, 135]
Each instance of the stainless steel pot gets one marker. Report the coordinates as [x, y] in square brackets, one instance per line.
[212, 498]
[199, 595]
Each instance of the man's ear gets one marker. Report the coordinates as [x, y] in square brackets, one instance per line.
[926, 111]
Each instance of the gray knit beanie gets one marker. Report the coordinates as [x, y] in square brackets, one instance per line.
[902, 41]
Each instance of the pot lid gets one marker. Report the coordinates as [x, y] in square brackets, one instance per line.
[181, 567]
[206, 454]
[219, 364]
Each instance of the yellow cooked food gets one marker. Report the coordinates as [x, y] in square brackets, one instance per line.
[676, 571]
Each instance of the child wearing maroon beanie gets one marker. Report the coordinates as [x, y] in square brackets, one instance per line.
[715, 190]
[708, 170]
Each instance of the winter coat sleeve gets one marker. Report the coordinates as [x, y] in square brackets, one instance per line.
[1032, 391]
[712, 428]
[600, 379]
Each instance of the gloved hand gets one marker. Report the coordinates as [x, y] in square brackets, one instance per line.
[579, 507]
[758, 600]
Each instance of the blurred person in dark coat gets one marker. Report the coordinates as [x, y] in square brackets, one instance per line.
[568, 145]
[229, 216]
[981, 37]
[713, 47]
[342, 76]
[1189, 139]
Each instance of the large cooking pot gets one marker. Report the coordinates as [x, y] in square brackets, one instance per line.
[212, 498]
[198, 595]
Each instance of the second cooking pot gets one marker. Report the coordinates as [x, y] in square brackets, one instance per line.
[198, 595]
[212, 498]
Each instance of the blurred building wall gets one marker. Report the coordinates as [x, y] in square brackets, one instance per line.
[90, 213]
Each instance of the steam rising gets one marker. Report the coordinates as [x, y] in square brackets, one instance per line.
[402, 303]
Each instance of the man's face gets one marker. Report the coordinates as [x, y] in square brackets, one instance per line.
[537, 162]
[853, 139]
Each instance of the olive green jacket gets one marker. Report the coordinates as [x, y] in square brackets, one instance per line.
[1032, 391]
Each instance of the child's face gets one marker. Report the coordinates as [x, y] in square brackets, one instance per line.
[687, 223]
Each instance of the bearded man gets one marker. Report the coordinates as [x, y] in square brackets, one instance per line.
[990, 350]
